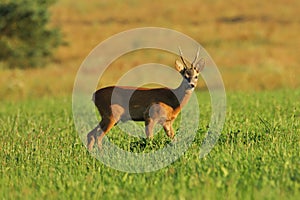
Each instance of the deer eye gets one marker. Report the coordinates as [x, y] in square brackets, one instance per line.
[196, 77]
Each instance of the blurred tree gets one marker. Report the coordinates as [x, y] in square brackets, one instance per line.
[25, 38]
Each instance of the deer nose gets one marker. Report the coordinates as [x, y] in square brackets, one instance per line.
[192, 85]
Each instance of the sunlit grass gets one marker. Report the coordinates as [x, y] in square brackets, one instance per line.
[256, 156]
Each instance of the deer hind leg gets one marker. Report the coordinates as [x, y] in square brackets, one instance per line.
[107, 123]
[97, 133]
[91, 137]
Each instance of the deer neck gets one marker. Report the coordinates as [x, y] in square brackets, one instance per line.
[183, 94]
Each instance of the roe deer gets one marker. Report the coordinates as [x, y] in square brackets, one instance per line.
[158, 105]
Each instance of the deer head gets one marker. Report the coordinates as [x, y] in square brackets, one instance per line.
[190, 72]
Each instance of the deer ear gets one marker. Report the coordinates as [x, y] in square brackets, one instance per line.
[200, 65]
[179, 66]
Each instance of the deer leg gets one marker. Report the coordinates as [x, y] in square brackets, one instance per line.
[167, 125]
[108, 121]
[149, 125]
[105, 125]
[91, 137]
[99, 132]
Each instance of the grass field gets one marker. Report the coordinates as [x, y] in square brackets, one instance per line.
[256, 157]
[254, 43]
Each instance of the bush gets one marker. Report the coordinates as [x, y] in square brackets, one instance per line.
[25, 38]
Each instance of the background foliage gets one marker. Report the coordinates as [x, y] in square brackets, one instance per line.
[25, 37]
[254, 43]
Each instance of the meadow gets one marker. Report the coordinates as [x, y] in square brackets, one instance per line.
[256, 157]
[255, 45]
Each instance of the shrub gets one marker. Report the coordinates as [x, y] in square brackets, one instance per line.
[25, 37]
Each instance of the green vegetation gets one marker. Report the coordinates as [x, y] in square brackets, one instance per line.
[25, 38]
[256, 157]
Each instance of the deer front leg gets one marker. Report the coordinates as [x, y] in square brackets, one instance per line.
[167, 125]
[149, 125]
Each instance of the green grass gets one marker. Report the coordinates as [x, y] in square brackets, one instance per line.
[256, 157]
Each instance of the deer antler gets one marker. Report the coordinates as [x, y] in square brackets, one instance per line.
[197, 55]
[181, 56]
